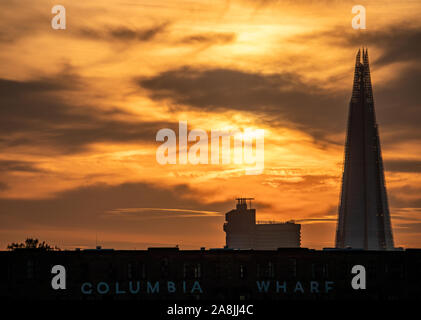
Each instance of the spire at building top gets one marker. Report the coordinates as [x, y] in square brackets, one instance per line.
[357, 75]
[365, 57]
[358, 59]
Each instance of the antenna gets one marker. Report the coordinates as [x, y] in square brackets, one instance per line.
[243, 201]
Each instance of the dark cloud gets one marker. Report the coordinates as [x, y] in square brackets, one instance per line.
[16, 165]
[3, 186]
[123, 33]
[403, 165]
[407, 217]
[16, 24]
[32, 113]
[277, 97]
[65, 80]
[414, 227]
[209, 38]
[92, 207]
[398, 102]
[407, 196]
[286, 99]
[399, 42]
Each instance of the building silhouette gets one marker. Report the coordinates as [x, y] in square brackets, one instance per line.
[168, 274]
[364, 219]
[243, 232]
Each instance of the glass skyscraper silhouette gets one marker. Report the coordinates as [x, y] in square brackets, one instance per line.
[364, 219]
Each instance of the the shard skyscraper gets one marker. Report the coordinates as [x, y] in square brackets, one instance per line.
[364, 219]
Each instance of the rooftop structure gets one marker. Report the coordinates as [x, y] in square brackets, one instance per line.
[243, 232]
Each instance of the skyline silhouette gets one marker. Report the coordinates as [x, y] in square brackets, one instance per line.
[80, 109]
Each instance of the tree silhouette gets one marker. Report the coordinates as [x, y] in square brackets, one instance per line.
[32, 244]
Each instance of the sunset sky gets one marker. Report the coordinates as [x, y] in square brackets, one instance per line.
[80, 109]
